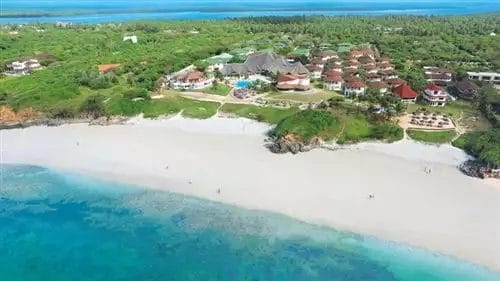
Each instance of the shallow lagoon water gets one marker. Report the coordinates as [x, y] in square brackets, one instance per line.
[94, 11]
[60, 226]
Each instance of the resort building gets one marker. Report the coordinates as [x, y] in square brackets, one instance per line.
[333, 83]
[437, 75]
[490, 77]
[395, 82]
[354, 88]
[380, 86]
[373, 77]
[291, 82]
[22, 67]
[466, 89]
[190, 79]
[407, 94]
[218, 62]
[315, 71]
[327, 55]
[435, 95]
[263, 64]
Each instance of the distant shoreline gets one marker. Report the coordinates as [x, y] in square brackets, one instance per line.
[109, 16]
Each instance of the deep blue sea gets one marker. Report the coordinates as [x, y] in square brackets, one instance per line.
[94, 11]
[58, 226]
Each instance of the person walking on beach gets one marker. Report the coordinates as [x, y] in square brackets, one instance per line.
[218, 190]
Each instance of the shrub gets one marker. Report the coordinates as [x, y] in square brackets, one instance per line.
[93, 106]
[136, 93]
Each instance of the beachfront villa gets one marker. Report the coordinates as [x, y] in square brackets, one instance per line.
[22, 67]
[435, 95]
[406, 93]
[354, 88]
[333, 83]
[293, 82]
[190, 79]
[218, 62]
[262, 64]
[490, 77]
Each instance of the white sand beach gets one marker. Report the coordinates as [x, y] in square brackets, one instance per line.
[444, 211]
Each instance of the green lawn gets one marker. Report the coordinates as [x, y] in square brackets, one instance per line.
[432, 137]
[308, 124]
[168, 105]
[220, 89]
[264, 114]
[301, 97]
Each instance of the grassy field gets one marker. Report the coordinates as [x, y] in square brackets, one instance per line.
[308, 124]
[264, 114]
[220, 89]
[169, 105]
[432, 137]
[301, 97]
[357, 128]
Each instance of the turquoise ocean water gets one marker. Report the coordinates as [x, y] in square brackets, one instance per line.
[58, 226]
[94, 11]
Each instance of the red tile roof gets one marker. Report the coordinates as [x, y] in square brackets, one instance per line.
[333, 78]
[107, 67]
[289, 77]
[355, 84]
[433, 87]
[405, 92]
[378, 84]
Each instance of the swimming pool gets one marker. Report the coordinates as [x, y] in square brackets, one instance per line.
[242, 84]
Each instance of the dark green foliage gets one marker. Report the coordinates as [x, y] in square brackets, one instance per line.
[95, 80]
[62, 112]
[387, 132]
[483, 145]
[136, 93]
[484, 99]
[93, 106]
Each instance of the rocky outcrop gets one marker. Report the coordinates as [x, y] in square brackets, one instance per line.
[291, 144]
[472, 168]
[106, 121]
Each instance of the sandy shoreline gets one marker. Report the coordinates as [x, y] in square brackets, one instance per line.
[446, 211]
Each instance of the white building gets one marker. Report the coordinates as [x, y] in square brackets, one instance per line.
[314, 71]
[435, 95]
[333, 83]
[23, 67]
[131, 38]
[491, 77]
[354, 88]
